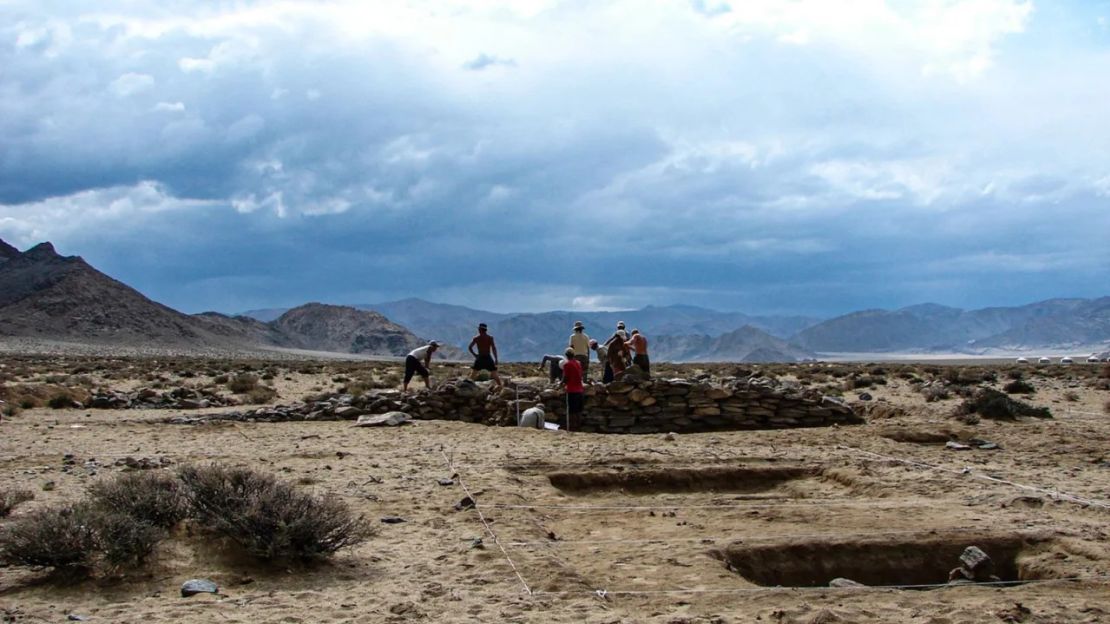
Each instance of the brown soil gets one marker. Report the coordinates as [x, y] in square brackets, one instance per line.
[601, 528]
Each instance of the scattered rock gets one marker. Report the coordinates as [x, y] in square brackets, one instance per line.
[843, 582]
[389, 419]
[865, 396]
[393, 520]
[465, 503]
[975, 566]
[956, 446]
[1015, 614]
[193, 587]
[48, 486]
[446, 482]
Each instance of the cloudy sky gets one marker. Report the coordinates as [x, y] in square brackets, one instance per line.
[768, 156]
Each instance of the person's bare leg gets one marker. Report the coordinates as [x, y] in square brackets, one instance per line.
[496, 378]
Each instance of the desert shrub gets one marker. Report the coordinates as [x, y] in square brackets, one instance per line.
[1105, 372]
[863, 381]
[1019, 386]
[993, 404]
[10, 410]
[261, 394]
[154, 498]
[122, 539]
[1015, 373]
[60, 400]
[10, 499]
[29, 403]
[1106, 407]
[220, 379]
[270, 519]
[1071, 396]
[61, 538]
[935, 393]
[243, 383]
[967, 376]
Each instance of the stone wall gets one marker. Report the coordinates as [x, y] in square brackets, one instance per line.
[643, 406]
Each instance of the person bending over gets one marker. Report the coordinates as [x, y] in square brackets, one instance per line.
[553, 364]
[417, 362]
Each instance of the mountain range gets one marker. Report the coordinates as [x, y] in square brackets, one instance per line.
[48, 296]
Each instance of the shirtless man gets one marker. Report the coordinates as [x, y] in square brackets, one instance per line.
[639, 346]
[485, 358]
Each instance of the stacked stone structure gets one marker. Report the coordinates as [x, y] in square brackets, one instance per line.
[626, 406]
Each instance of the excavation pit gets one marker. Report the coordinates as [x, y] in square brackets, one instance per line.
[733, 480]
[920, 559]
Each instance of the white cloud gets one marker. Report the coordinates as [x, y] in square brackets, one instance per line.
[59, 218]
[131, 83]
[169, 107]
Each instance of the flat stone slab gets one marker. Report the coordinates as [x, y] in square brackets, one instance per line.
[193, 587]
[388, 419]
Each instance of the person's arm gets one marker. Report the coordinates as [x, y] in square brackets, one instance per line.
[493, 349]
[470, 347]
[428, 360]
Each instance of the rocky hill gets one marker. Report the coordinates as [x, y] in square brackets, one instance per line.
[46, 295]
[345, 330]
[52, 297]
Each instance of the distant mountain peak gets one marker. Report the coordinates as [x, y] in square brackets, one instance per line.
[42, 251]
[7, 252]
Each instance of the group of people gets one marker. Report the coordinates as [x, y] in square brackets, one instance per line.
[616, 354]
[619, 352]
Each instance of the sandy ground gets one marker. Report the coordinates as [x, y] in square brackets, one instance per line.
[606, 528]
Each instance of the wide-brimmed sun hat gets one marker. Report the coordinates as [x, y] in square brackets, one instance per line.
[579, 325]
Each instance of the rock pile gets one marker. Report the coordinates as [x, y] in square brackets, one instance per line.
[645, 406]
[149, 398]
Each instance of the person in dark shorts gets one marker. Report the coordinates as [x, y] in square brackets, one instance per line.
[576, 397]
[485, 358]
[417, 362]
[553, 364]
[639, 346]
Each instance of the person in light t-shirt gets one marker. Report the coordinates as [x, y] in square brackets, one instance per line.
[417, 362]
[579, 343]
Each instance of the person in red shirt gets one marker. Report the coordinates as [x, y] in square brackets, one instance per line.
[572, 381]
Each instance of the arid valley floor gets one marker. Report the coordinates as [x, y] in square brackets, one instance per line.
[712, 527]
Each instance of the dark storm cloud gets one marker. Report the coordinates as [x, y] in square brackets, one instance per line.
[759, 156]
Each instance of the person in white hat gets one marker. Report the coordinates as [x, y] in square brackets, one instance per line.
[580, 343]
